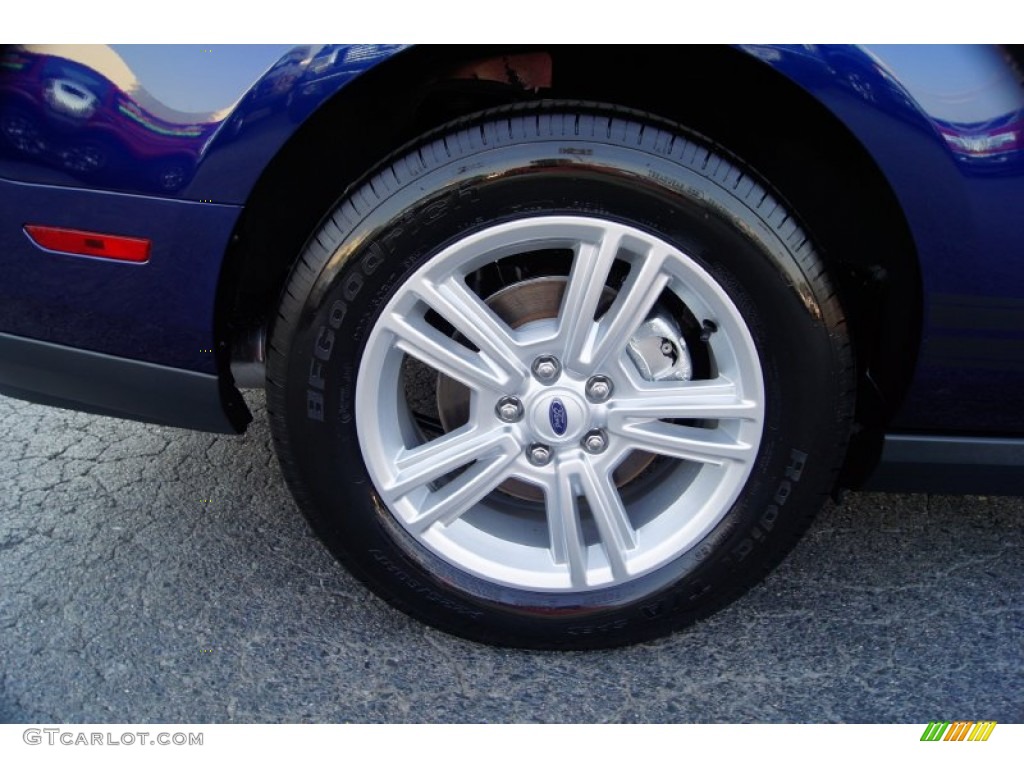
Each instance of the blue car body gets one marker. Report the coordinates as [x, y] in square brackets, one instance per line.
[199, 151]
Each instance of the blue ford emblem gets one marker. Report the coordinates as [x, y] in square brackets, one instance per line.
[558, 417]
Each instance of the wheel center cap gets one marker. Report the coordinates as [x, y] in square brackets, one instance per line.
[559, 416]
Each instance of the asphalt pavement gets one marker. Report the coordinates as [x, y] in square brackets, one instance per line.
[150, 574]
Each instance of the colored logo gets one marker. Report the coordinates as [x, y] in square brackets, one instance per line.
[558, 417]
[959, 730]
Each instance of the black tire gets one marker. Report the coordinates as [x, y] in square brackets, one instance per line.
[493, 177]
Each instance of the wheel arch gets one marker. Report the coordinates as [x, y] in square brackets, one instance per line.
[738, 98]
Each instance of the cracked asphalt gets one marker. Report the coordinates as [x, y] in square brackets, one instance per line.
[150, 574]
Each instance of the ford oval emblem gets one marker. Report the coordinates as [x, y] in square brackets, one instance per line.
[559, 418]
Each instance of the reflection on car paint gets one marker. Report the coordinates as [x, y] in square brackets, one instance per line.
[68, 116]
[78, 115]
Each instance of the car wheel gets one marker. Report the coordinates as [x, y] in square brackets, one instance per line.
[171, 175]
[85, 158]
[560, 377]
[22, 132]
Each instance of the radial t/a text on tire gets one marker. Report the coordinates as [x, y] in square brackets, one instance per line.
[560, 377]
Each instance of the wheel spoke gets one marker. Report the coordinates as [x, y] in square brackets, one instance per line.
[471, 317]
[590, 268]
[716, 399]
[448, 504]
[417, 338]
[707, 446]
[634, 301]
[564, 528]
[613, 525]
[435, 459]
[473, 496]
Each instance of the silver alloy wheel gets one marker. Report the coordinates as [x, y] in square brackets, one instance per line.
[588, 533]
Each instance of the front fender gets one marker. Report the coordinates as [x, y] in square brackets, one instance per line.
[188, 122]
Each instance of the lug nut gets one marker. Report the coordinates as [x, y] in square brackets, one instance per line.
[595, 441]
[599, 389]
[538, 454]
[546, 368]
[509, 409]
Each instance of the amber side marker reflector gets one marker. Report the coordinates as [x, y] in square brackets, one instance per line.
[89, 243]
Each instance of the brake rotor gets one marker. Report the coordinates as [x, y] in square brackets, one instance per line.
[518, 305]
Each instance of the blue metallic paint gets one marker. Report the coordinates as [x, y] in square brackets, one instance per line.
[161, 311]
[149, 113]
[951, 149]
[962, 199]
